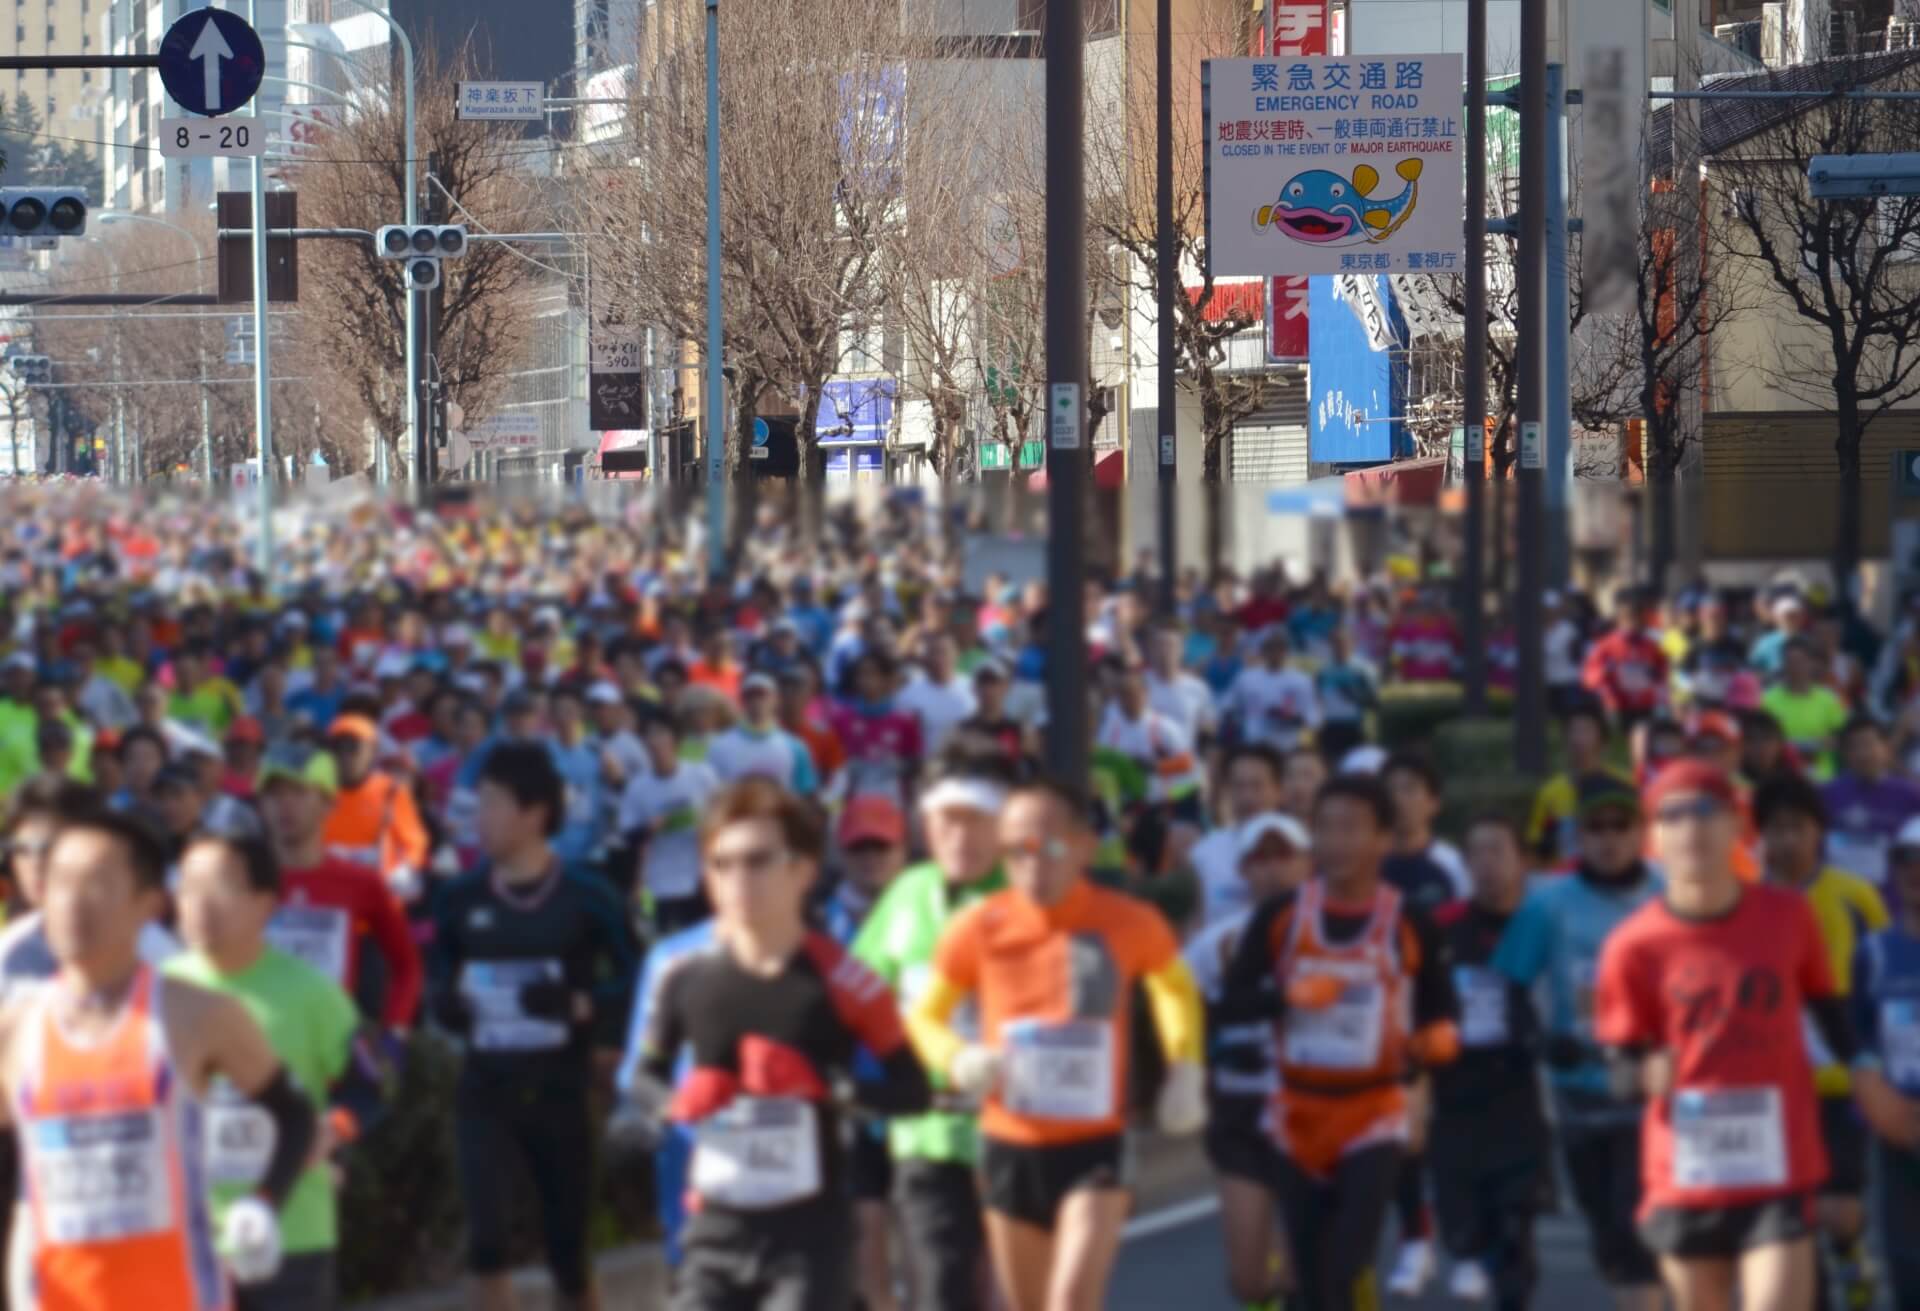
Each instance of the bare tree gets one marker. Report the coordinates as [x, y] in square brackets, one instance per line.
[1846, 269]
[353, 303]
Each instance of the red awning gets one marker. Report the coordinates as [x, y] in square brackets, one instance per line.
[1110, 471]
[1246, 300]
[619, 439]
[1404, 482]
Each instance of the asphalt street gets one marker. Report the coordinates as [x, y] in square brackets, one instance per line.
[1172, 1262]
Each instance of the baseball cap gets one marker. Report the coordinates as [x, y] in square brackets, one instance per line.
[757, 682]
[871, 817]
[175, 776]
[1364, 760]
[990, 668]
[1261, 827]
[354, 726]
[604, 694]
[1596, 792]
[1690, 775]
[19, 661]
[296, 762]
[1714, 723]
[393, 664]
[1908, 838]
[246, 729]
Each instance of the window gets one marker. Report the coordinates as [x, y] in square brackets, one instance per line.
[863, 346]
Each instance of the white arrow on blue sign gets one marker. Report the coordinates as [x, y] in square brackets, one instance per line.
[211, 62]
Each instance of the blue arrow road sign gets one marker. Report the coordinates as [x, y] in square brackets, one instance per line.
[211, 62]
[761, 432]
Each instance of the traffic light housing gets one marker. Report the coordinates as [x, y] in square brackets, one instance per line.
[42, 212]
[31, 369]
[421, 241]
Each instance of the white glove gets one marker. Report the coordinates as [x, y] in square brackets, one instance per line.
[250, 1241]
[1183, 1100]
[976, 1070]
[405, 884]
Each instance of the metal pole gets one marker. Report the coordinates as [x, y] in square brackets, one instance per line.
[262, 352]
[1473, 571]
[1066, 329]
[1530, 738]
[1167, 279]
[1558, 477]
[715, 404]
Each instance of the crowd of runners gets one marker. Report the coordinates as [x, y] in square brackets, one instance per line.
[892, 1006]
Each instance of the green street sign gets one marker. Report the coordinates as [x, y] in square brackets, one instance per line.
[995, 456]
[1033, 454]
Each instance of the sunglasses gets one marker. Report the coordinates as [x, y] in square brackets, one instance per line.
[1036, 849]
[1603, 826]
[1680, 811]
[32, 850]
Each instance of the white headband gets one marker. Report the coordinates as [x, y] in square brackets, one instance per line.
[964, 793]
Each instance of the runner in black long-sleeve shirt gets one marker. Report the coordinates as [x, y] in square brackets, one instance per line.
[528, 964]
[774, 1015]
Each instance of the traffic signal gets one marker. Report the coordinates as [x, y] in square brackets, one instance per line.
[423, 246]
[31, 369]
[43, 211]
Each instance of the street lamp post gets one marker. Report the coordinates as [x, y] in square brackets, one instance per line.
[716, 419]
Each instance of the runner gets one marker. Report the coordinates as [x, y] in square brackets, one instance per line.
[1699, 1000]
[335, 915]
[1553, 830]
[228, 889]
[757, 747]
[1869, 803]
[1491, 1147]
[934, 1154]
[1269, 702]
[1052, 962]
[1276, 857]
[1555, 938]
[659, 814]
[770, 1013]
[1627, 669]
[1252, 774]
[1886, 1007]
[374, 821]
[113, 1210]
[1162, 749]
[1364, 999]
[1793, 826]
[527, 961]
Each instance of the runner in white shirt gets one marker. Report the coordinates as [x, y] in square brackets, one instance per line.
[758, 747]
[621, 745]
[1269, 702]
[661, 810]
[1175, 693]
[940, 698]
[1252, 784]
[1135, 730]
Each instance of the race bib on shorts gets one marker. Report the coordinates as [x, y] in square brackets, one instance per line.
[1483, 1006]
[317, 935]
[1346, 1035]
[1061, 1071]
[1728, 1138]
[240, 1138]
[500, 1023]
[99, 1178]
[1900, 1041]
[759, 1152]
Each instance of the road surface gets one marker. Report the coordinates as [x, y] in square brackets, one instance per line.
[1172, 1262]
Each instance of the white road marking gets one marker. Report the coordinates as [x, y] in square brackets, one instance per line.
[1178, 1216]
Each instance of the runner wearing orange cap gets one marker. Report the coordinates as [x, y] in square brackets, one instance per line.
[374, 821]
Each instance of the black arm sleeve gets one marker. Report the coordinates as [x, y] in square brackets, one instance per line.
[294, 1127]
[1836, 1028]
[1247, 991]
[1434, 998]
[900, 1089]
[361, 1090]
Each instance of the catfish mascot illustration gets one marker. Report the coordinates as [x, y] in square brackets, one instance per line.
[1322, 208]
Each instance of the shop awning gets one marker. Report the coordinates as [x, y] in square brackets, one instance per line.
[1403, 483]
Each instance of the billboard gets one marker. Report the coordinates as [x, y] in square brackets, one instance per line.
[1357, 377]
[855, 412]
[1334, 165]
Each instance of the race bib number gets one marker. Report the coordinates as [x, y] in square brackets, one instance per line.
[759, 1152]
[1059, 1071]
[1483, 1006]
[99, 1178]
[317, 935]
[1729, 1138]
[1346, 1035]
[1900, 1041]
[240, 1138]
[500, 1023]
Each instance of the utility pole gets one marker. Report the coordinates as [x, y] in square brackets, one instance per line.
[262, 351]
[1473, 604]
[1067, 747]
[1529, 721]
[432, 394]
[1168, 281]
[1559, 395]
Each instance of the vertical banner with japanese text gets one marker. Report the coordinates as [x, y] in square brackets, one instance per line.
[1294, 28]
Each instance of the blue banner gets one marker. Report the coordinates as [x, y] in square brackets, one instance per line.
[855, 412]
[1357, 372]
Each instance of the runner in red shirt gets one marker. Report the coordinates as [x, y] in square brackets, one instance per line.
[333, 909]
[1699, 999]
[1627, 669]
